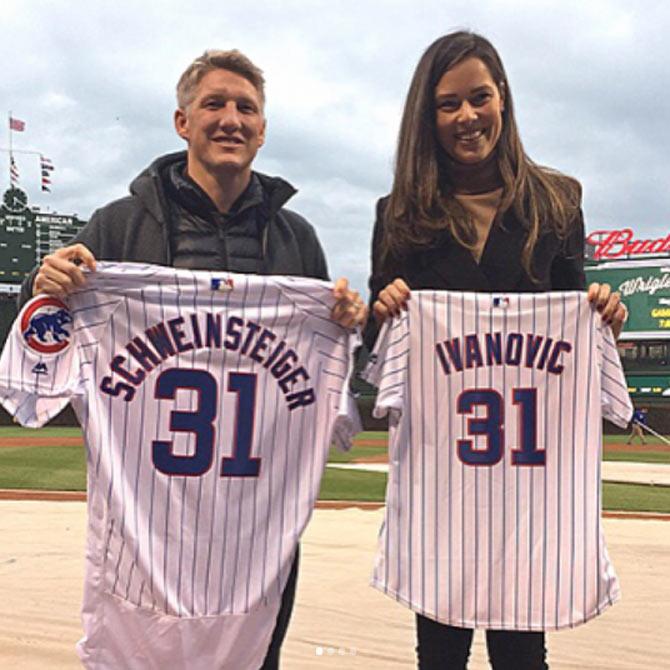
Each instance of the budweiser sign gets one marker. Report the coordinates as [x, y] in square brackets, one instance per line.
[618, 243]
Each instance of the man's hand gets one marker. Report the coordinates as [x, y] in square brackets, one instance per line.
[60, 273]
[613, 312]
[391, 300]
[349, 309]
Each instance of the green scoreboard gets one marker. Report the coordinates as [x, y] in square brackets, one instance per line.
[27, 235]
[644, 343]
[645, 290]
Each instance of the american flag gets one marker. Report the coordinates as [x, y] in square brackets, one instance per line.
[16, 124]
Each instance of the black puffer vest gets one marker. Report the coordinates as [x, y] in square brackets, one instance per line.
[202, 238]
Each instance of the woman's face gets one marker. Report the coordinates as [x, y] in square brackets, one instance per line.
[468, 111]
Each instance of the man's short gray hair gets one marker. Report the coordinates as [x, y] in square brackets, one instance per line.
[232, 60]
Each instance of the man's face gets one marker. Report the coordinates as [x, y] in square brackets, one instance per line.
[224, 125]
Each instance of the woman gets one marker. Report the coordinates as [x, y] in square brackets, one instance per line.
[470, 211]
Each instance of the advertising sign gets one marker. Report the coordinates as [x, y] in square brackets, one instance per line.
[645, 290]
[610, 244]
[644, 386]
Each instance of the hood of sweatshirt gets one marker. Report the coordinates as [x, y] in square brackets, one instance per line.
[166, 177]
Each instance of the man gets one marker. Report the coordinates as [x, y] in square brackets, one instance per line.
[637, 425]
[206, 209]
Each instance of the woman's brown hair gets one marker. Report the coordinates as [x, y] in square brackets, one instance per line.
[421, 205]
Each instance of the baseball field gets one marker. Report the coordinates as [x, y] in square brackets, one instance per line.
[52, 459]
[339, 622]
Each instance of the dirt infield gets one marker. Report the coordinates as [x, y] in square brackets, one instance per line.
[338, 623]
[377, 458]
[80, 496]
[39, 494]
[41, 441]
[642, 448]
[371, 442]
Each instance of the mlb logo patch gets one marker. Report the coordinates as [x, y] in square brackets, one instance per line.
[225, 284]
[45, 326]
[501, 301]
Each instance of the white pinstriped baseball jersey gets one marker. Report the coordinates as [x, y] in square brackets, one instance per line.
[208, 402]
[493, 499]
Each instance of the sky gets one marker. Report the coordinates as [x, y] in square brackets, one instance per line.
[94, 82]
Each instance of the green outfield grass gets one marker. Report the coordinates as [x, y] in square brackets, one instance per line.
[353, 485]
[621, 439]
[57, 468]
[610, 439]
[63, 468]
[636, 498]
[638, 457]
[631, 454]
[56, 431]
[357, 453]
[373, 435]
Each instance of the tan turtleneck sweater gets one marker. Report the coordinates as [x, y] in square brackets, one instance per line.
[482, 207]
[478, 188]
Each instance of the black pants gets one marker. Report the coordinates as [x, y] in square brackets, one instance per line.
[271, 661]
[448, 648]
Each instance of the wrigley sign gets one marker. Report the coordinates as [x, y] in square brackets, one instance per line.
[651, 284]
[645, 289]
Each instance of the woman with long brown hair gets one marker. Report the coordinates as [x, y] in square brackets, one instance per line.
[470, 211]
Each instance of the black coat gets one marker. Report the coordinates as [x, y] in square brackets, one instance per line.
[141, 227]
[558, 264]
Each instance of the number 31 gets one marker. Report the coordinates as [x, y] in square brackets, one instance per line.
[201, 424]
[492, 427]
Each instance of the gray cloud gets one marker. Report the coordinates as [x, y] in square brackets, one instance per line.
[95, 85]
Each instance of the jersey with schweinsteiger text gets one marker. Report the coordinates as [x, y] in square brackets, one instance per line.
[208, 403]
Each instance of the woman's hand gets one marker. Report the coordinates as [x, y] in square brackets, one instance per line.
[391, 300]
[614, 313]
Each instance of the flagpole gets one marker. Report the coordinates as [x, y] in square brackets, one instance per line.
[9, 125]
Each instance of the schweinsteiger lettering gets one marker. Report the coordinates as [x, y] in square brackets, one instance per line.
[161, 341]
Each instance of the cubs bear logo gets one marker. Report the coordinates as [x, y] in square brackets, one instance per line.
[43, 325]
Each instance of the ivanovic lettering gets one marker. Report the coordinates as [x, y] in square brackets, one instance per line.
[479, 350]
[208, 331]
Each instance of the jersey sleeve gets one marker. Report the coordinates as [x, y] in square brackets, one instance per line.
[39, 365]
[616, 403]
[311, 296]
[348, 422]
[387, 366]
